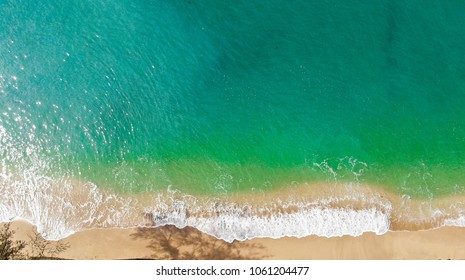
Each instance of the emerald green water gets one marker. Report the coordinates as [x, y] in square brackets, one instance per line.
[218, 97]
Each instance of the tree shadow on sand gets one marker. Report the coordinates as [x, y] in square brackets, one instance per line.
[171, 243]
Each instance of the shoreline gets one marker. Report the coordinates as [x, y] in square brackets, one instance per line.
[147, 243]
[326, 210]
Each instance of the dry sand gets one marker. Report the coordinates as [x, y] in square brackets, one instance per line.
[168, 242]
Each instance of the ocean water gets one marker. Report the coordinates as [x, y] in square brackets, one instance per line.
[212, 98]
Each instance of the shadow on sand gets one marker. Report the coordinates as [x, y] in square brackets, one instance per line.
[171, 243]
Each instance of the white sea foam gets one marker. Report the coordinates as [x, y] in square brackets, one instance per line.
[60, 209]
[229, 221]
[317, 221]
[457, 220]
[57, 206]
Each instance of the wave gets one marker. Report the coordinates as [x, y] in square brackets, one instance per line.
[62, 207]
[229, 221]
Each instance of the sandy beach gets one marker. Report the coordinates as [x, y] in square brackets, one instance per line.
[171, 243]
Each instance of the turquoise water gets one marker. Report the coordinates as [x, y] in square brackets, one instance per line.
[218, 97]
